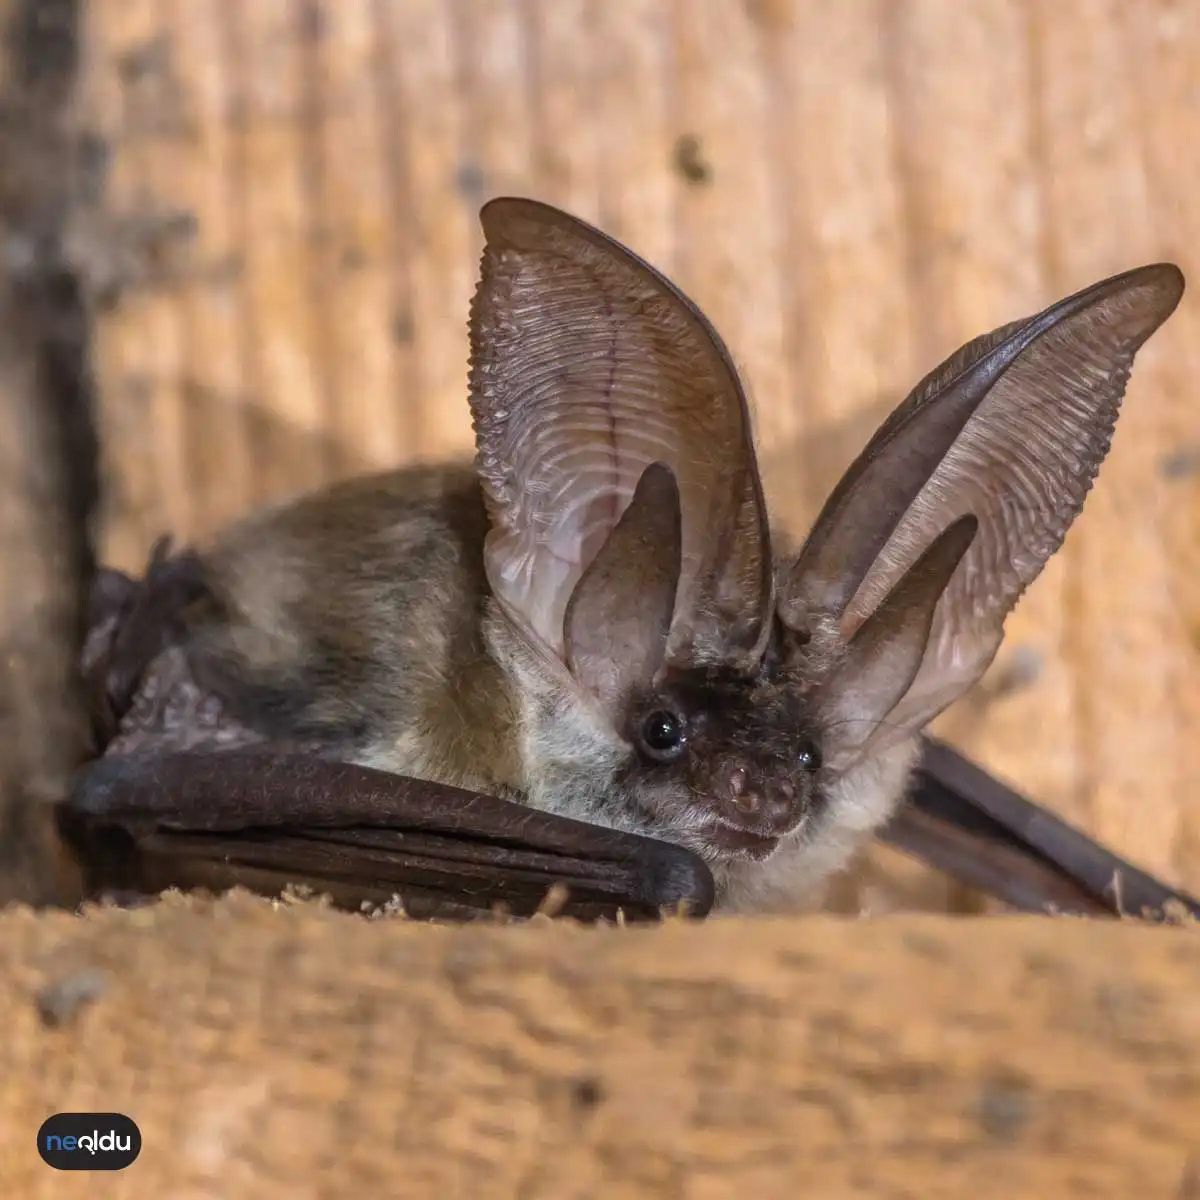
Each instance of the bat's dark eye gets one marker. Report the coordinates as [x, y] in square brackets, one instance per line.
[662, 734]
[808, 757]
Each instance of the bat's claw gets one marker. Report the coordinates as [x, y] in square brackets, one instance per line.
[682, 879]
[105, 792]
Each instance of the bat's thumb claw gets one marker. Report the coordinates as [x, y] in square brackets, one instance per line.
[105, 788]
[683, 880]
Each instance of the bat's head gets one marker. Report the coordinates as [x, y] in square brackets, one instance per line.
[728, 759]
[673, 676]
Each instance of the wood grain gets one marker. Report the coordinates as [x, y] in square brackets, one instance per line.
[850, 192]
[902, 1058]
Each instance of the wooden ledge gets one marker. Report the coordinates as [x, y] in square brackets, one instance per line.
[290, 1050]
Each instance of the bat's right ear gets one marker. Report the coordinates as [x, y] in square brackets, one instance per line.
[1009, 431]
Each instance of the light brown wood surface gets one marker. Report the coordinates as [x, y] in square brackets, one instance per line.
[287, 237]
[307, 1054]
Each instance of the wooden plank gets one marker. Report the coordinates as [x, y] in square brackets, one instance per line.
[199, 173]
[425, 119]
[276, 174]
[138, 355]
[357, 239]
[1165, 86]
[833, 153]
[632, 84]
[731, 226]
[295, 1051]
[1119, 633]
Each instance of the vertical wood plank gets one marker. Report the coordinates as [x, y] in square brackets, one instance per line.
[844, 298]
[122, 85]
[631, 85]
[276, 179]
[1117, 609]
[561, 69]
[48, 489]
[1164, 62]
[357, 239]
[211, 304]
[495, 60]
[976, 236]
[426, 121]
[731, 229]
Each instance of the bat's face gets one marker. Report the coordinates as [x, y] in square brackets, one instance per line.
[728, 763]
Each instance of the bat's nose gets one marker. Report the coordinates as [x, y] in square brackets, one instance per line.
[750, 800]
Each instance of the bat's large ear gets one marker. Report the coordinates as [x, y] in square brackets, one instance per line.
[587, 367]
[1010, 430]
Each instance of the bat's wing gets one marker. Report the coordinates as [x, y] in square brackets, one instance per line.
[961, 820]
[264, 820]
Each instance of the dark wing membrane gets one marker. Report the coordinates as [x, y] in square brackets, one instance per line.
[263, 820]
[961, 820]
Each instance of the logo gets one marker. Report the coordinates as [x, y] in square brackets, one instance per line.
[89, 1141]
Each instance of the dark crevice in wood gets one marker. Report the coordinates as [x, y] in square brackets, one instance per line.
[51, 482]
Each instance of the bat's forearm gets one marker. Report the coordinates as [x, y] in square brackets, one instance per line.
[964, 821]
[334, 823]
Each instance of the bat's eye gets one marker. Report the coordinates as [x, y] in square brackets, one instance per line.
[662, 734]
[808, 757]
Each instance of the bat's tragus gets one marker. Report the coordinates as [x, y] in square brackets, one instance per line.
[584, 643]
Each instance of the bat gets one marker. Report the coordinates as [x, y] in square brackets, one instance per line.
[586, 657]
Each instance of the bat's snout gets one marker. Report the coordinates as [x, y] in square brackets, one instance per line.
[755, 800]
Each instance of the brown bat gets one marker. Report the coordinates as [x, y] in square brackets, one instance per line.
[585, 658]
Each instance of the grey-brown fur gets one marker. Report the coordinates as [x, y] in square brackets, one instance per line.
[352, 619]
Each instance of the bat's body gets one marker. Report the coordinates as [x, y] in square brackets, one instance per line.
[351, 621]
[356, 623]
[594, 619]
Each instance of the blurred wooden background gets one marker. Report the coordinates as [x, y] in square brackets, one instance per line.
[281, 231]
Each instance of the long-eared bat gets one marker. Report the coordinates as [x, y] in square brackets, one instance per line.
[584, 658]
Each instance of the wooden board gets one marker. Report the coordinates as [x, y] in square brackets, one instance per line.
[285, 233]
[907, 1057]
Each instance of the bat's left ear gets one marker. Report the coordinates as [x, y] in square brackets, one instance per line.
[1009, 431]
[587, 368]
